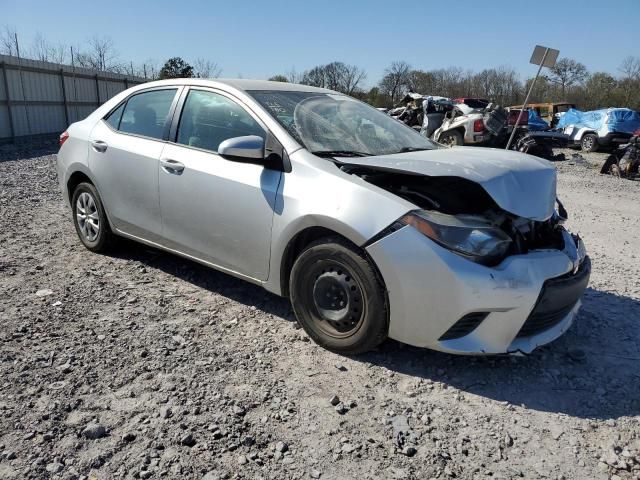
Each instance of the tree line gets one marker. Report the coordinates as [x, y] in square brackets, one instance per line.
[568, 81]
[96, 53]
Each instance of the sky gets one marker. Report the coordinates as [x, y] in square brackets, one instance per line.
[257, 39]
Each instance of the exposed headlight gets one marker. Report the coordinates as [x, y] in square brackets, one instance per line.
[470, 236]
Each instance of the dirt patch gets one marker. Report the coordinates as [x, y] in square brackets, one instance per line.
[143, 365]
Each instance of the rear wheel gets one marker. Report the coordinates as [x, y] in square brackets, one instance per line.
[338, 298]
[451, 139]
[589, 143]
[89, 218]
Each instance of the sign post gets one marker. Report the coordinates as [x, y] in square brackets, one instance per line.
[544, 57]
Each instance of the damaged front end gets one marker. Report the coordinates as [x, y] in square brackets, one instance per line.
[469, 270]
[460, 215]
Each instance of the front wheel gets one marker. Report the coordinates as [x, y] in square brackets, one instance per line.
[338, 298]
[589, 143]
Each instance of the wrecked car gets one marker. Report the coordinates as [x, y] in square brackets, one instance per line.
[599, 128]
[538, 139]
[464, 125]
[625, 161]
[369, 228]
[423, 113]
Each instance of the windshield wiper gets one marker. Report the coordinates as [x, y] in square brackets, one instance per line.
[412, 149]
[340, 153]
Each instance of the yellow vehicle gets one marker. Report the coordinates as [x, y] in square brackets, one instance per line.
[548, 111]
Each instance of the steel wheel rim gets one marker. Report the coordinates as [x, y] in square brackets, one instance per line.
[87, 216]
[588, 142]
[337, 300]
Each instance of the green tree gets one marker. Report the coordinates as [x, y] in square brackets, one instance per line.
[176, 67]
[279, 78]
[566, 73]
[599, 89]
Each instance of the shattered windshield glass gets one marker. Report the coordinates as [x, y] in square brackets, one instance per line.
[334, 123]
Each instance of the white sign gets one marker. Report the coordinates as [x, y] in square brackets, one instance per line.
[539, 58]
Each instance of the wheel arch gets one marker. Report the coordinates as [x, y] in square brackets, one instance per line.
[301, 240]
[80, 173]
[75, 179]
[582, 132]
[461, 129]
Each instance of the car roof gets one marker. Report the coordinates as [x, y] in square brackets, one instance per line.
[242, 84]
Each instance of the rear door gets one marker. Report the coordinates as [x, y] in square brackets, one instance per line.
[214, 209]
[124, 152]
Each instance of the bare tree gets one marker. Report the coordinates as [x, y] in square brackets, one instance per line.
[45, 51]
[9, 41]
[500, 85]
[41, 49]
[630, 68]
[630, 82]
[293, 76]
[206, 68]
[568, 72]
[314, 77]
[100, 55]
[396, 79]
[336, 76]
[342, 77]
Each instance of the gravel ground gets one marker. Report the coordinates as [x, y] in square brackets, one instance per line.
[143, 365]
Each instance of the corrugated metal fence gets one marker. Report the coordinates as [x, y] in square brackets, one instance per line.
[41, 98]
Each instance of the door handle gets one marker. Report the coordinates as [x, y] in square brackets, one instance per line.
[172, 166]
[99, 146]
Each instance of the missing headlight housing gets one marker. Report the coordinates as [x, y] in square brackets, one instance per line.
[467, 235]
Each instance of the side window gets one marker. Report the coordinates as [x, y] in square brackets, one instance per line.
[146, 113]
[114, 117]
[208, 119]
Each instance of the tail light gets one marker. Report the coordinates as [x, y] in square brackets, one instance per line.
[478, 126]
[63, 137]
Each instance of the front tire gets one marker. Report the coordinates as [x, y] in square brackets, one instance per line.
[338, 297]
[89, 218]
[589, 143]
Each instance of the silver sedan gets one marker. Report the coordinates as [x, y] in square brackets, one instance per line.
[371, 230]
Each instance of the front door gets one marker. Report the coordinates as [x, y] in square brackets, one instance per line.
[214, 209]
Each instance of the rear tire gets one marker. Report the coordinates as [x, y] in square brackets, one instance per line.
[589, 143]
[451, 138]
[338, 297]
[90, 219]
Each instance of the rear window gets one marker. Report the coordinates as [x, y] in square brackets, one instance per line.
[146, 113]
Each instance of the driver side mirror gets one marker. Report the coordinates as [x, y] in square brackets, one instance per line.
[250, 148]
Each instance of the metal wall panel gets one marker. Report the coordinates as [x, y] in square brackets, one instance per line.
[3, 94]
[5, 127]
[43, 97]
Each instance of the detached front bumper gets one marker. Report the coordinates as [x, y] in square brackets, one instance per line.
[442, 301]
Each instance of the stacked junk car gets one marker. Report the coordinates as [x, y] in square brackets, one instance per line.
[478, 122]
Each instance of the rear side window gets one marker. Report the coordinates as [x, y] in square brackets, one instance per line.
[114, 117]
[146, 113]
[208, 119]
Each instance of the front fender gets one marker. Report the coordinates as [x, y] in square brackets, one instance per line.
[321, 195]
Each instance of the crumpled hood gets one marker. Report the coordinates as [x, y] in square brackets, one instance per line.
[521, 184]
